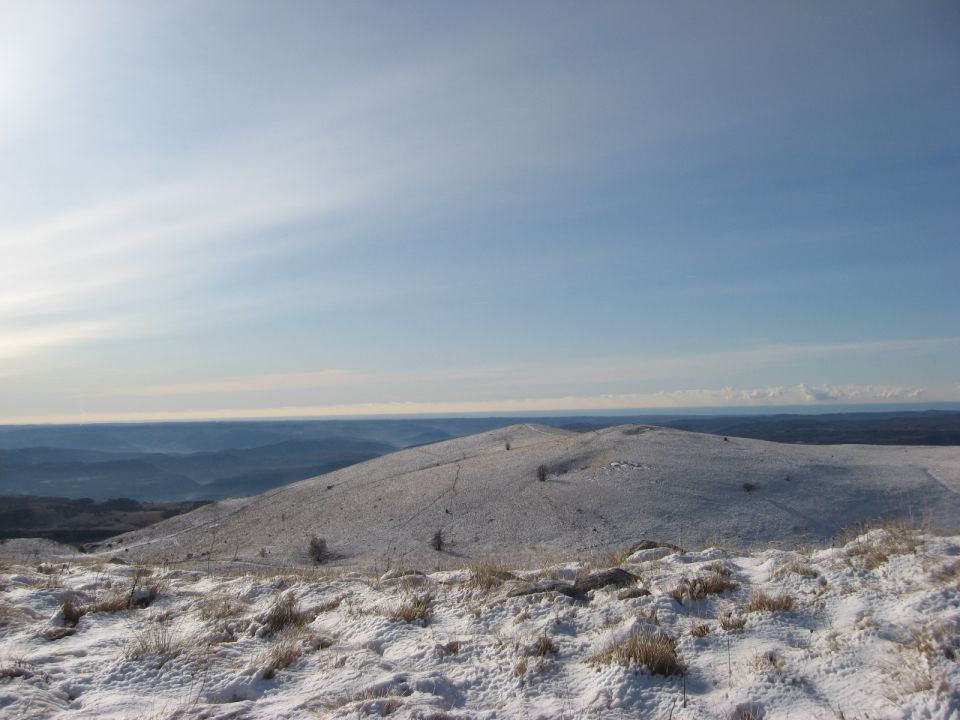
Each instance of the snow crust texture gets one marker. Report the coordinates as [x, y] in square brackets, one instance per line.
[867, 629]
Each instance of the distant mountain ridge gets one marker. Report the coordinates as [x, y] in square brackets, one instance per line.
[214, 460]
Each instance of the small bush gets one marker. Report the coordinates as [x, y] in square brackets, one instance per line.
[761, 602]
[749, 487]
[656, 651]
[317, 549]
[542, 473]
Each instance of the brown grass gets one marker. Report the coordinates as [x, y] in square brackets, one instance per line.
[700, 630]
[948, 574]
[285, 612]
[542, 646]
[701, 586]
[489, 575]
[71, 609]
[729, 621]
[11, 615]
[893, 538]
[285, 650]
[718, 569]
[795, 567]
[655, 651]
[414, 607]
[220, 607]
[157, 640]
[762, 602]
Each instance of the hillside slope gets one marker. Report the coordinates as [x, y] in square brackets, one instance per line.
[604, 491]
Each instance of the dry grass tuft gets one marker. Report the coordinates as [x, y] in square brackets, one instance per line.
[284, 613]
[489, 575]
[948, 574]
[762, 602]
[656, 651]
[220, 607]
[699, 630]
[285, 650]
[413, 608]
[330, 604]
[11, 615]
[71, 609]
[729, 621]
[874, 544]
[936, 640]
[795, 567]
[718, 569]
[701, 586]
[115, 601]
[451, 647]
[158, 640]
[542, 646]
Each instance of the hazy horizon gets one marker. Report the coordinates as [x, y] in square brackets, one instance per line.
[278, 210]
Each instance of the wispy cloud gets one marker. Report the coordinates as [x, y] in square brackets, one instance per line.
[507, 380]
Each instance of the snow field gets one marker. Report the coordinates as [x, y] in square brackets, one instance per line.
[872, 630]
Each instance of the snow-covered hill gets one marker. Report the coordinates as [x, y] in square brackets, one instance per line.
[602, 491]
[870, 629]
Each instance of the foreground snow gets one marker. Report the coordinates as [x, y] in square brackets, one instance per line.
[872, 632]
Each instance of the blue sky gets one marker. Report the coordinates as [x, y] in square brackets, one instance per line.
[230, 209]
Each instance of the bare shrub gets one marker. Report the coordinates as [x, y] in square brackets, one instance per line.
[285, 612]
[656, 651]
[762, 602]
[542, 473]
[414, 607]
[317, 549]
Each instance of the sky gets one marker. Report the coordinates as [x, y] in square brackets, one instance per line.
[279, 209]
